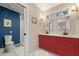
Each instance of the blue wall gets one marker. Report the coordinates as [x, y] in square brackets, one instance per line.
[15, 17]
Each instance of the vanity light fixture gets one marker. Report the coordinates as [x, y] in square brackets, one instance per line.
[74, 8]
[42, 18]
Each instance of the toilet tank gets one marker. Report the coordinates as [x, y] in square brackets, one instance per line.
[8, 38]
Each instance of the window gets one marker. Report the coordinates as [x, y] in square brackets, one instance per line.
[59, 14]
[63, 13]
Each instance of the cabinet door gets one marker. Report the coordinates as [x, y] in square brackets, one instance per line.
[42, 41]
[54, 44]
[60, 45]
[71, 47]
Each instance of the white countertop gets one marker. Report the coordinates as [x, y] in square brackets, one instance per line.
[70, 36]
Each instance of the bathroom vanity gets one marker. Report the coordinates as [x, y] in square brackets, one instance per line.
[60, 45]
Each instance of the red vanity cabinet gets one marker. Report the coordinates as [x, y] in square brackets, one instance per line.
[63, 46]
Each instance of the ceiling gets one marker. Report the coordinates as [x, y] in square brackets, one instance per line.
[14, 7]
[17, 8]
[46, 6]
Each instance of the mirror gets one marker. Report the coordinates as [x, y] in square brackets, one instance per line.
[64, 25]
[59, 25]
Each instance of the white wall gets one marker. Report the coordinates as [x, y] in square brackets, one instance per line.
[34, 29]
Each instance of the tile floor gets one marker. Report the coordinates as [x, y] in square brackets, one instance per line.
[19, 51]
[41, 52]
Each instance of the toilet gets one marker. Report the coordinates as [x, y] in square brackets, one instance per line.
[9, 44]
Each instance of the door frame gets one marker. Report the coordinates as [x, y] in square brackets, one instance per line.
[26, 28]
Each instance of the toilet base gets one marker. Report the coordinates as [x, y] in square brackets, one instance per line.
[8, 48]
